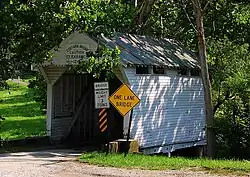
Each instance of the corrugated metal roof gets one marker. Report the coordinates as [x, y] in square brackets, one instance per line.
[145, 50]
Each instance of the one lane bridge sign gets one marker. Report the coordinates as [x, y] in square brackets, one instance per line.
[124, 99]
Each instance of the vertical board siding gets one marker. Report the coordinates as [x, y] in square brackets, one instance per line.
[171, 109]
[66, 90]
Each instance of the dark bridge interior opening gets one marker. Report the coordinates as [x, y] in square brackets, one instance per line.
[75, 120]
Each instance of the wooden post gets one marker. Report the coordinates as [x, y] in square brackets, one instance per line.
[49, 108]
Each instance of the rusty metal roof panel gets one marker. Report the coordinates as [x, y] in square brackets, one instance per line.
[126, 57]
[145, 50]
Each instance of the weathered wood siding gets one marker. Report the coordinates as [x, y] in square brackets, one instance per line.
[82, 42]
[53, 73]
[171, 110]
[67, 94]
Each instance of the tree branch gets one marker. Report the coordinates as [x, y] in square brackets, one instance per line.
[220, 102]
[184, 8]
[196, 5]
[209, 1]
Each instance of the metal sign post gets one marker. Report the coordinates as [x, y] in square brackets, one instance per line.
[124, 100]
[101, 90]
[128, 135]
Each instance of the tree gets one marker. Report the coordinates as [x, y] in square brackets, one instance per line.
[30, 29]
[145, 12]
[143, 15]
[27, 33]
[223, 19]
[205, 77]
[230, 70]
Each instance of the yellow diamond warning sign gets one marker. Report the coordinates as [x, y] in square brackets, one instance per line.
[124, 99]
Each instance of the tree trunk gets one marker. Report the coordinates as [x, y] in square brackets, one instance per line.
[205, 78]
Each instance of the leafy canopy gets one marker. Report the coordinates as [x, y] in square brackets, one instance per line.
[30, 29]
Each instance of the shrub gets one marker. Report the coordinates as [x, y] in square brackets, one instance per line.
[38, 89]
[232, 128]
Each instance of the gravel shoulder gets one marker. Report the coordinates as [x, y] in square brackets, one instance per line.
[63, 163]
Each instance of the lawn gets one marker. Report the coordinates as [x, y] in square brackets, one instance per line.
[153, 162]
[22, 114]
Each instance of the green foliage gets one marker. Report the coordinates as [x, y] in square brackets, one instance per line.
[97, 16]
[102, 64]
[29, 30]
[169, 20]
[228, 18]
[38, 89]
[232, 127]
[229, 63]
[35, 27]
[223, 18]
[230, 73]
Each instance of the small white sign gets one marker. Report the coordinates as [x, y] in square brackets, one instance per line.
[101, 85]
[101, 95]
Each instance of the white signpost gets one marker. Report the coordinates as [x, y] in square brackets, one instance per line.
[101, 95]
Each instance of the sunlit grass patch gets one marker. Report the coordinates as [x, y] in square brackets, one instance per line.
[23, 115]
[156, 162]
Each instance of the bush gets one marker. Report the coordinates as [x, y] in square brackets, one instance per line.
[38, 89]
[232, 124]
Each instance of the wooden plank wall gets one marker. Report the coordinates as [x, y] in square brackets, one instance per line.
[171, 110]
[68, 93]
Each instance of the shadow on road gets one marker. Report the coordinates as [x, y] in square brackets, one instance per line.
[50, 155]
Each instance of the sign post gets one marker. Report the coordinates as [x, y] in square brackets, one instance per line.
[128, 135]
[124, 100]
[101, 90]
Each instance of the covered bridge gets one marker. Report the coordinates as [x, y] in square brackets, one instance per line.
[164, 75]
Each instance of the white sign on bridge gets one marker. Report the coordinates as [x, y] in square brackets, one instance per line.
[101, 95]
[75, 52]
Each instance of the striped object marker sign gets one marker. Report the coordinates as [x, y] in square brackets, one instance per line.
[103, 119]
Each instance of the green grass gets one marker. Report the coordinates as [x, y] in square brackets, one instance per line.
[22, 114]
[153, 162]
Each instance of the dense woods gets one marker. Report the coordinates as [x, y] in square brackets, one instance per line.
[30, 29]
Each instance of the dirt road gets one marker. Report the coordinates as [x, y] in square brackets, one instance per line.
[62, 163]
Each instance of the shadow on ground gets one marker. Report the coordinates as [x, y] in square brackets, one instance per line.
[48, 155]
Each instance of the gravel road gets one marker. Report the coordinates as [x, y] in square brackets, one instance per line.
[62, 163]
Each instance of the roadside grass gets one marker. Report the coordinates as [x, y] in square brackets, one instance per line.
[160, 162]
[23, 115]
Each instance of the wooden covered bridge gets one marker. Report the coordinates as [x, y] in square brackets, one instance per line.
[163, 74]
